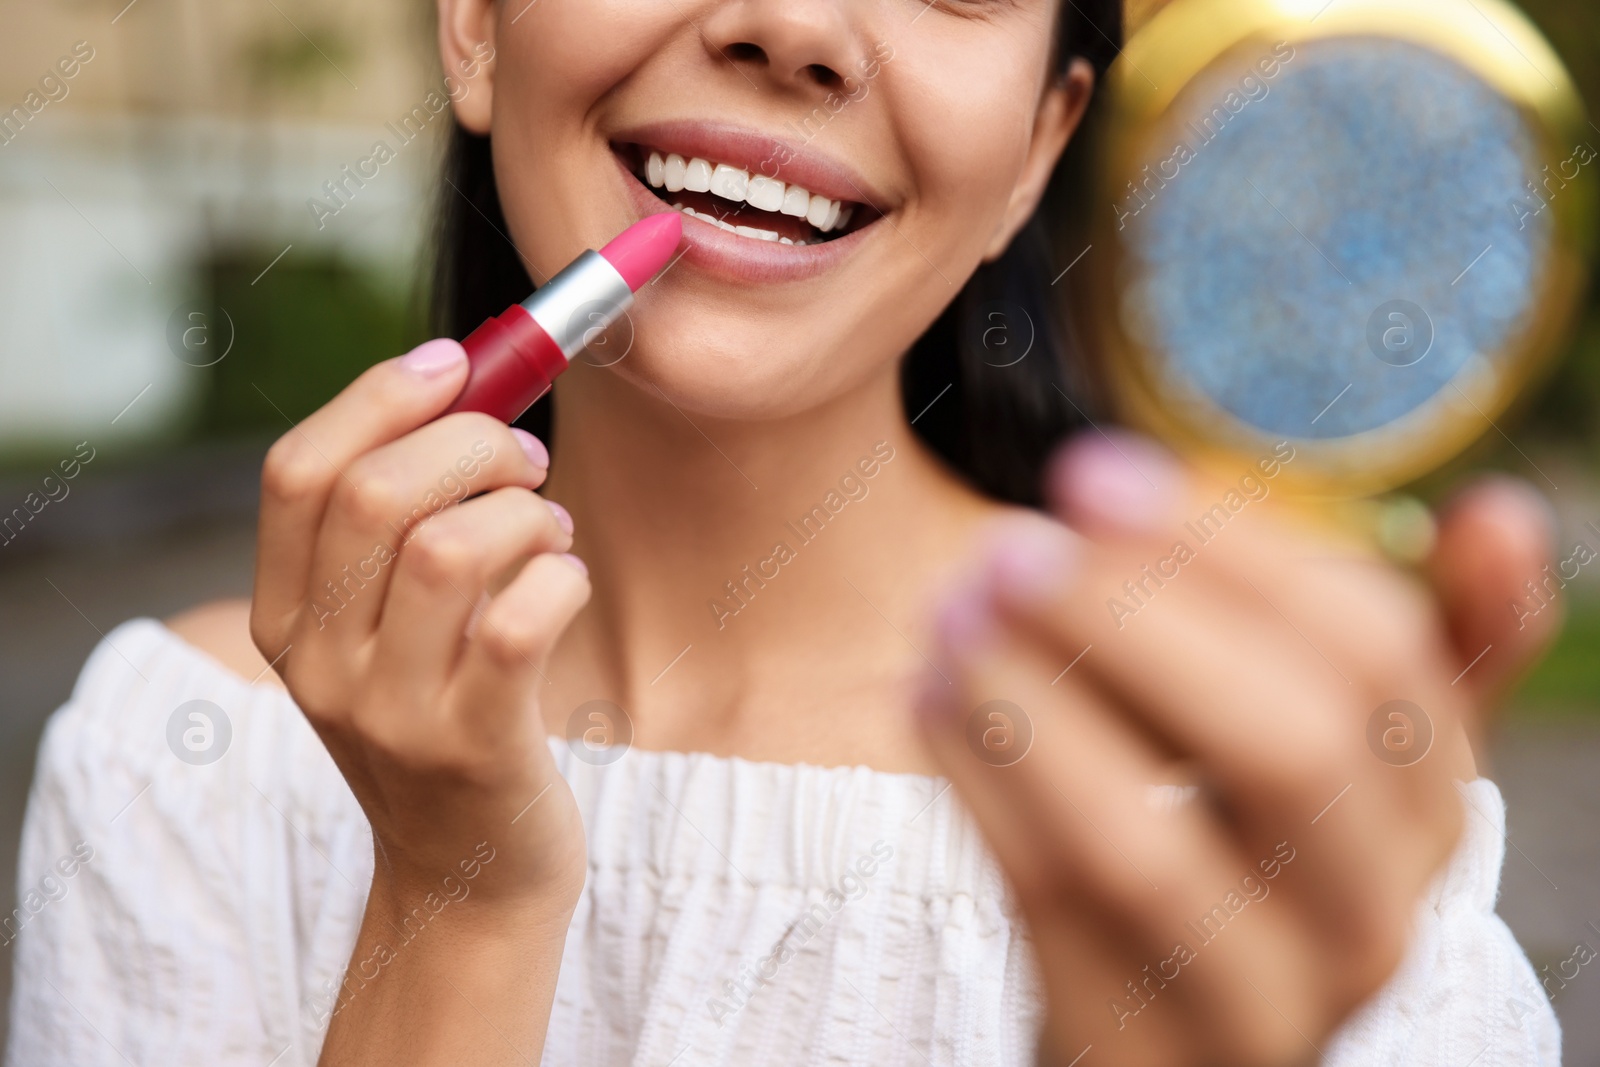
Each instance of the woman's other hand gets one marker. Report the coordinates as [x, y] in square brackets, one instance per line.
[409, 586]
[1214, 748]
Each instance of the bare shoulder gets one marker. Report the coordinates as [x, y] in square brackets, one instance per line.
[221, 629]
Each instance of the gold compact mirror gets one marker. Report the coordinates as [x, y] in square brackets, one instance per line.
[1359, 226]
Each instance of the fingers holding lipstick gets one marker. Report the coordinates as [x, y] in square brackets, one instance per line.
[341, 494]
[386, 498]
[408, 588]
[303, 466]
[446, 574]
[390, 491]
[512, 641]
[440, 602]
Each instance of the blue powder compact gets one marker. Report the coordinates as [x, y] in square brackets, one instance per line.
[1360, 226]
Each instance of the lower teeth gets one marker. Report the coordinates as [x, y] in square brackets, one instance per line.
[752, 232]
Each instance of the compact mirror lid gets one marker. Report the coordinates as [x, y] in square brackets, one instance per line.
[1360, 227]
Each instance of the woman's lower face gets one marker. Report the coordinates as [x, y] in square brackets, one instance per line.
[842, 169]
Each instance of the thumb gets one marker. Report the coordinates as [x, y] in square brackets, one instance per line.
[1495, 542]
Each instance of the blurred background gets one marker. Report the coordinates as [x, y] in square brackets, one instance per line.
[186, 269]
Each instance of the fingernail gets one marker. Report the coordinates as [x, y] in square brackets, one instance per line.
[582, 567]
[1028, 561]
[563, 516]
[533, 448]
[1521, 493]
[1119, 478]
[433, 358]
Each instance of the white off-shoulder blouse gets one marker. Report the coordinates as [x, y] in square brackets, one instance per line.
[175, 911]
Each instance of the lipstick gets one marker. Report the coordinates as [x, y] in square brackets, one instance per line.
[517, 354]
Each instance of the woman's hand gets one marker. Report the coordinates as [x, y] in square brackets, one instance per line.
[1248, 663]
[409, 586]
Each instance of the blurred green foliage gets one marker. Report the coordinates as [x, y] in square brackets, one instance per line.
[301, 334]
[289, 59]
[1573, 28]
[1567, 409]
[1568, 680]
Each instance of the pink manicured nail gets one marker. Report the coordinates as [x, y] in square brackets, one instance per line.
[433, 358]
[1119, 478]
[583, 568]
[1518, 494]
[1028, 560]
[534, 448]
[563, 516]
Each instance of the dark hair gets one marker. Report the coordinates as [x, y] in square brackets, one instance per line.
[992, 422]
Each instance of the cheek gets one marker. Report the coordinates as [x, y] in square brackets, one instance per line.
[966, 142]
[548, 73]
[570, 52]
[554, 66]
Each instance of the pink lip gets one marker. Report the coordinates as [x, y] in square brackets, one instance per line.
[789, 161]
[742, 259]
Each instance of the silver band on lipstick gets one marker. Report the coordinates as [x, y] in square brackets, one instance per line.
[577, 303]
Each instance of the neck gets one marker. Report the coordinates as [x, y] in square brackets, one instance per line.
[772, 550]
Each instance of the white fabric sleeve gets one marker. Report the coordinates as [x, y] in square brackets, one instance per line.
[1465, 992]
[163, 903]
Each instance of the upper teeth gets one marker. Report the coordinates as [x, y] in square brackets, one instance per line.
[674, 173]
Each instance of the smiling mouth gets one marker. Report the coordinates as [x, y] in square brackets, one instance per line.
[748, 205]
